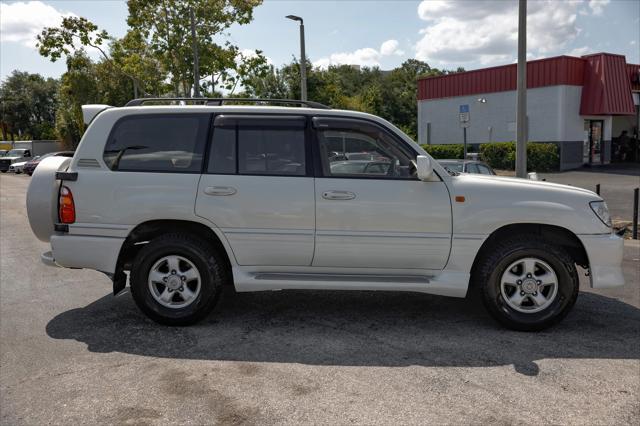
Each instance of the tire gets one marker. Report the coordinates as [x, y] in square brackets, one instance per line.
[157, 300]
[533, 304]
[3, 171]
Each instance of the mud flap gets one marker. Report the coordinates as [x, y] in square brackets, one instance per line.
[119, 281]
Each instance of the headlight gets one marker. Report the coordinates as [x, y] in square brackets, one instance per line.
[602, 211]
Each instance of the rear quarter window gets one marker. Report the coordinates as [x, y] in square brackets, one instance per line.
[157, 143]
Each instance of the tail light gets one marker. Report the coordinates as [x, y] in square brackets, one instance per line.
[66, 207]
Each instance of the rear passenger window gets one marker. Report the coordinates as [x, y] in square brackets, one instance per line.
[158, 143]
[261, 146]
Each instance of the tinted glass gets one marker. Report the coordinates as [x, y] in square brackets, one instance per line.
[259, 150]
[472, 168]
[159, 142]
[454, 167]
[271, 151]
[223, 151]
[364, 151]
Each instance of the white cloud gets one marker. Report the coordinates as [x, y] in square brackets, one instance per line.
[367, 56]
[390, 47]
[21, 22]
[580, 51]
[486, 31]
[597, 6]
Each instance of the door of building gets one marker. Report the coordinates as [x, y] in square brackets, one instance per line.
[594, 145]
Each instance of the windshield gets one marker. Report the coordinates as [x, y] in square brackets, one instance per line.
[16, 153]
[453, 167]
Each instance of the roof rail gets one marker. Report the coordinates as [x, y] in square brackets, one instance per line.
[221, 101]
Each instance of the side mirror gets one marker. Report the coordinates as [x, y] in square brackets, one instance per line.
[424, 167]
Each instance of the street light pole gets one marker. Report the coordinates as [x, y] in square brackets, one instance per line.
[303, 58]
[196, 58]
[521, 113]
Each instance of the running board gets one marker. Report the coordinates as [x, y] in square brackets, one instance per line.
[342, 278]
[446, 283]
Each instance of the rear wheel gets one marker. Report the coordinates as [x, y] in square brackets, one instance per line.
[527, 283]
[176, 279]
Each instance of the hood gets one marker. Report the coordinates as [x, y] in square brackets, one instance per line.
[525, 186]
[11, 158]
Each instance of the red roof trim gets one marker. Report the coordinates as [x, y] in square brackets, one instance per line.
[607, 86]
[566, 70]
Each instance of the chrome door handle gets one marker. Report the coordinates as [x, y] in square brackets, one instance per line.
[219, 190]
[338, 195]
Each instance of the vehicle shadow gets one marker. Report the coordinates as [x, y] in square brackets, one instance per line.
[355, 329]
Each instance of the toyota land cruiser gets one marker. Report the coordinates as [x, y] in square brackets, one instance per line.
[180, 200]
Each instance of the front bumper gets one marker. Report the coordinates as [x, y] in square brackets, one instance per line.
[605, 254]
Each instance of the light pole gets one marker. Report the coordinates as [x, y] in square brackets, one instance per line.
[521, 113]
[196, 56]
[303, 58]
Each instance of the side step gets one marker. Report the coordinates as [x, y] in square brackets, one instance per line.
[446, 283]
[409, 279]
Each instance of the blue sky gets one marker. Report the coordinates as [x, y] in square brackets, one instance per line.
[445, 33]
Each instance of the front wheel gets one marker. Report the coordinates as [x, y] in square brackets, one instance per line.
[176, 279]
[527, 284]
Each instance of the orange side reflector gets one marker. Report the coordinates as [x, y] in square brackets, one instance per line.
[460, 198]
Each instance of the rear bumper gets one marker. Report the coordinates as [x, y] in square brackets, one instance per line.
[48, 259]
[89, 252]
[605, 254]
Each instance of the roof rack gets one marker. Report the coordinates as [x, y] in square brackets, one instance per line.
[221, 101]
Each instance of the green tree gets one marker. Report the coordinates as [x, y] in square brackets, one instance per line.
[28, 103]
[55, 42]
[167, 26]
[78, 86]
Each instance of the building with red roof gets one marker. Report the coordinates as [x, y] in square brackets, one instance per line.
[582, 104]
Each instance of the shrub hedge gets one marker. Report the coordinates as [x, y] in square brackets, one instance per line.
[541, 157]
[445, 151]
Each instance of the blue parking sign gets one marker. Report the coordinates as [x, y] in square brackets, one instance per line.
[464, 108]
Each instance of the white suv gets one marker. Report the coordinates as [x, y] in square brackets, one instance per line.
[190, 198]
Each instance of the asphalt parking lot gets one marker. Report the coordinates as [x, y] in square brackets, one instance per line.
[71, 353]
[617, 182]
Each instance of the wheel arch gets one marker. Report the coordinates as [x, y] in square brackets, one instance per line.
[554, 234]
[147, 231]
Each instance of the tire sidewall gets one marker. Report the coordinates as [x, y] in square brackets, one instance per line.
[145, 260]
[561, 304]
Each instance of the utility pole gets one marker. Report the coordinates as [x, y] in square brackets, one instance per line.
[303, 58]
[521, 113]
[196, 59]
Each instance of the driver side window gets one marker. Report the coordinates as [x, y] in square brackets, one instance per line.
[363, 151]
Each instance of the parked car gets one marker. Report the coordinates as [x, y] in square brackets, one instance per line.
[467, 166]
[3, 152]
[14, 156]
[181, 200]
[33, 163]
[17, 167]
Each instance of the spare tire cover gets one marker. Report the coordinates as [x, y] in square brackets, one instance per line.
[42, 196]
